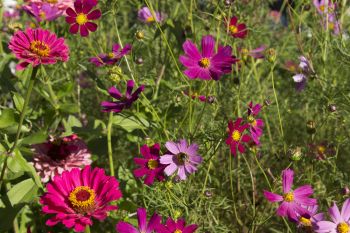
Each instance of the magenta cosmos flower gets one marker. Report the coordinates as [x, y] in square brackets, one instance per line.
[308, 220]
[145, 15]
[150, 166]
[178, 226]
[80, 17]
[181, 157]
[38, 46]
[208, 64]
[77, 196]
[236, 138]
[111, 58]
[255, 125]
[340, 220]
[58, 155]
[237, 30]
[293, 201]
[122, 101]
[143, 226]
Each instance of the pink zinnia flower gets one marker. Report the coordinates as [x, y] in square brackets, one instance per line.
[123, 101]
[236, 138]
[150, 166]
[111, 58]
[43, 12]
[309, 219]
[237, 30]
[38, 46]
[80, 17]
[77, 196]
[181, 157]
[208, 64]
[178, 226]
[293, 201]
[340, 220]
[255, 125]
[58, 155]
[143, 226]
[145, 15]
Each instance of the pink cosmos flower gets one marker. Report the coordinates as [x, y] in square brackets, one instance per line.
[208, 64]
[38, 46]
[255, 125]
[181, 157]
[58, 155]
[61, 5]
[201, 98]
[150, 166]
[123, 101]
[178, 226]
[111, 58]
[237, 30]
[305, 70]
[236, 138]
[257, 53]
[77, 196]
[145, 15]
[143, 226]
[43, 12]
[333, 24]
[80, 17]
[293, 201]
[340, 220]
[308, 220]
[322, 8]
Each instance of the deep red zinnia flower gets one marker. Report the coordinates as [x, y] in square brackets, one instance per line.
[150, 166]
[78, 195]
[237, 30]
[80, 17]
[236, 137]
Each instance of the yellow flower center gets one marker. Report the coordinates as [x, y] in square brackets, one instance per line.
[321, 149]
[331, 26]
[81, 19]
[150, 19]
[82, 199]
[305, 221]
[288, 197]
[236, 135]
[252, 121]
[42, 15]
[322, 8]
[204, 62]
[181, 158]
[177, 231]
[343, 228]
[233, 29]
[111, 55]
[152, 164]
[52, 1]
[40, 48]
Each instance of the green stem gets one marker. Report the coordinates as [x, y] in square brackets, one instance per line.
[23, 113]
[87, 229]
[109, 143]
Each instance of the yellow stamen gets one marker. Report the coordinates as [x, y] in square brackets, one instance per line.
[236, 135]
[177, 231]
[150, 19]
[52, 1]
[322, 8]
[252, 121]
[343, 228]
[331, 26]
[152, 164]
[204, 62]
[305, 221]
[288, 197]
[81, 19]
[42, 15]
[321, 149]
[111, 55]
[82, 199]
[40, 48]
[233, 29]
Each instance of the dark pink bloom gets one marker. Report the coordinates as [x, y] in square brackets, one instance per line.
[58, 155]
[77, 196]
[340, 220]
[294, 202]
[178, 226]
[150, 166]
[237, 30]
[257, 53]
[208, 64]
[145, 15]
[111, 58]
[43, 12]
[236, 138]
[81, 15]
[143, 226]
[181, 157]
[38, 46]
[255, 125]
[201, 98]
[123, 101]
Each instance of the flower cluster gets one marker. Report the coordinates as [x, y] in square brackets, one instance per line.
[328, 14]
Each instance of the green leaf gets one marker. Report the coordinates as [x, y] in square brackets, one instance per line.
[34, 138]
[22, 192]
[7, 118]
[130, 123]
[70, 123]
[69, 108]
[19, 101]
[8, 214]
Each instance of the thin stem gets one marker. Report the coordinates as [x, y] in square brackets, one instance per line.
[109, 143]
[21, 118]
[87, 229]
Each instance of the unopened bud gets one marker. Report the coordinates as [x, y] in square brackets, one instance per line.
[140, 35]
[208, 193]
[345, 191]
[139, 61]
[332, 108]
[228, 2]
[271, 55]
[311, 127]
[295, 154]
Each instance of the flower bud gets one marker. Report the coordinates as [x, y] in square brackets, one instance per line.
[208, 193]
[169, 184]
[295, 154]
[139, 61]
[271, 55]
[332, 108]
[267, 102]
[140, 35]
[115, 74]
[345, 191]
[228, 2]
[177, 214]
[15, 27]
[311, 127]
